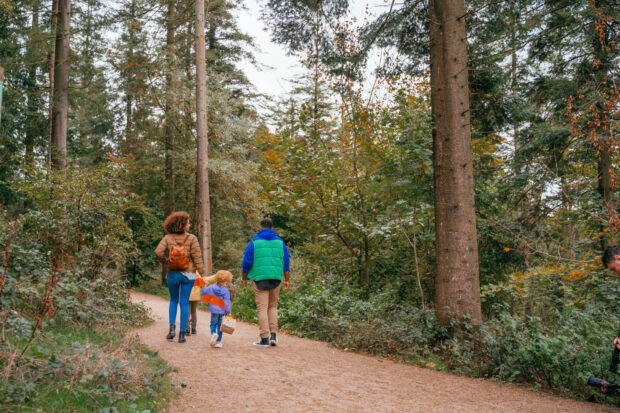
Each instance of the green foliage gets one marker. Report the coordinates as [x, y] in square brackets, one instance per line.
[63, 274]
[79, 369]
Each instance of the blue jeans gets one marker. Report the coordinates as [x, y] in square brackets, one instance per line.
[178, 284]
[216, 325]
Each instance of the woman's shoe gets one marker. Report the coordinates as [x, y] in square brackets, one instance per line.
[193, 331]
[170, 335]
[181, 337]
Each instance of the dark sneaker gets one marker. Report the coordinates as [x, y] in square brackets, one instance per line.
[188, 332]
[264, 342]
[193, 331]
[181, 337]
[273, 340]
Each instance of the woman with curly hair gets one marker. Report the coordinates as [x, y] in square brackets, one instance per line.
[183, 259]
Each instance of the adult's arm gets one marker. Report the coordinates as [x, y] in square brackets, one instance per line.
[248, 258]
[160, 251]
[287, 260]
[197, 255]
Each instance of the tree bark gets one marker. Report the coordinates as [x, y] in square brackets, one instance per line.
[202, 143]
[61, 87]
[601, 42]
[604, 183]
[1, 90]
[457, 284]
[51, 63]
[169, 111]
[31, 123]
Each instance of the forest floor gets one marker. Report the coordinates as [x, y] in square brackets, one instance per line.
[301, 375]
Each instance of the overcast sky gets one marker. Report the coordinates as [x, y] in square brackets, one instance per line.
[276, 69]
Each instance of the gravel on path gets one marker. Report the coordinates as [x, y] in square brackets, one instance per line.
[301, 375]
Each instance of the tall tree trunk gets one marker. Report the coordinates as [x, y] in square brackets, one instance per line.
[169, 204]
[457, 284]
[130, 90]
[604, 182]
[202, 142]
[51, 64]
[61, 86]
[602, 54]
[170, 110]
[1, 87]
[33, 106]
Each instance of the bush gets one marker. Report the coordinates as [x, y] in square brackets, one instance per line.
[556, 353]
[62, 275]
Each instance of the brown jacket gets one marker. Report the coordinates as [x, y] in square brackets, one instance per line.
[191, 242]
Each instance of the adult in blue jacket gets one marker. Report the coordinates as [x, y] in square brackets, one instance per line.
[266, 263]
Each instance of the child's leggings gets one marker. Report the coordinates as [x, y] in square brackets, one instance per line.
[180, 288]
[216, 325]
[193, 306]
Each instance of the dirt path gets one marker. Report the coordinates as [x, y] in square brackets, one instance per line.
[302, 375]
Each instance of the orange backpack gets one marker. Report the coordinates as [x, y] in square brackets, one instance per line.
[178, 257]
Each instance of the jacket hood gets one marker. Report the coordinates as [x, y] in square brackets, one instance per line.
[266, 234]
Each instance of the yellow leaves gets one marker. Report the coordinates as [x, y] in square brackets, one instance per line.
[575, 274]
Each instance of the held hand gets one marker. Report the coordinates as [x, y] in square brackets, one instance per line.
[244, 283]
[617, 343]
[285, 285]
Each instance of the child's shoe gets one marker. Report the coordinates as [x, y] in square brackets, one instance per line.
[218, 344]
[273, 340]
[193, 331]
[213, 339]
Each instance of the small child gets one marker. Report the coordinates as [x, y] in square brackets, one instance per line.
[218, 297]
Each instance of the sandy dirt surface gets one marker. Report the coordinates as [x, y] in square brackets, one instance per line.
[301, 375]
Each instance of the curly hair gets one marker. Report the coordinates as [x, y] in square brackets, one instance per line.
[221, 277]
[176, 222]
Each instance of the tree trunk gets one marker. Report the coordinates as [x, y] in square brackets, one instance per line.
[1, 87]
[61, 87]
[457, 284]
[605, 137]
[169, 111]
[33, 106]
[202, 143]
[129, 91]
[51, 64]
[604, 183]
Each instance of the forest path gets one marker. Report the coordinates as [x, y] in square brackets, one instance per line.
[301, 375]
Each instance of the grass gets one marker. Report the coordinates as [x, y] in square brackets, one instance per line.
[79, 369]
[153, 286]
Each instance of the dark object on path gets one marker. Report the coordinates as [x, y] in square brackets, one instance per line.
[170, 335]
[606, 387]
[181, 336]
